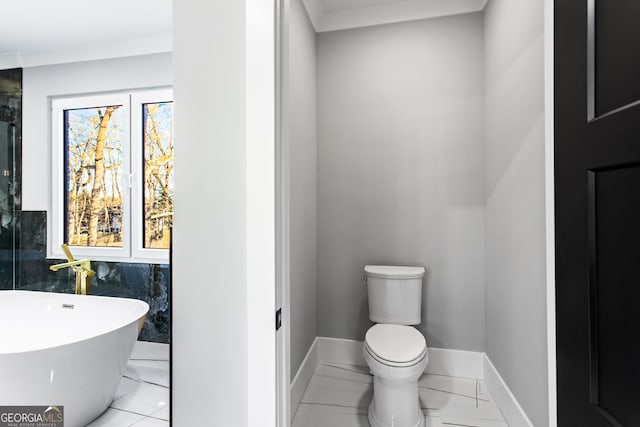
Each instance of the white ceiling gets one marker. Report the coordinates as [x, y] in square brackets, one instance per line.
[330, 15]
[37, 32]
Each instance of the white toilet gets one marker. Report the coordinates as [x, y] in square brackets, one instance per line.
[395, 351]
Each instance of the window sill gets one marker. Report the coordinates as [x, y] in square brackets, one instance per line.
[118, 260]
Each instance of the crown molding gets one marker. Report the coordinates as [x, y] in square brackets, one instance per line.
[386, 13]
[89, 52]
[315, 10]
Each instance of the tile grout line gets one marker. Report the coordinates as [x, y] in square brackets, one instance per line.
[334, 405]
[346, 369]
[425, 374]
[449, 376]
[349, 380]
[134, 413]
[462, 425]
[455, 394]
[140, 380]
[157, 418]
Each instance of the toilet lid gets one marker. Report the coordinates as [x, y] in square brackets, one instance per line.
[395, 343]
[394, 271]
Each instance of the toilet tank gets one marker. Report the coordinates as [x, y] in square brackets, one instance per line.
[395, 294]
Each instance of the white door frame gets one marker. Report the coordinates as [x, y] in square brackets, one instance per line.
[283, 336]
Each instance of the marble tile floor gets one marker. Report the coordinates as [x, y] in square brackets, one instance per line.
[339, 396]
[142, 399]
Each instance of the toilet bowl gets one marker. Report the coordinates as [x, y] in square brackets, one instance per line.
[397, 356]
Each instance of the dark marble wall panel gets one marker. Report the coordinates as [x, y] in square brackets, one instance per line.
[10, 149]
[32, 265]
[6, 269]
[11, 113]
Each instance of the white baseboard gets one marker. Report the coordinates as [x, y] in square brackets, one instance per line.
[511, 410]
[303, 376]
[442, 361]
[454, 363]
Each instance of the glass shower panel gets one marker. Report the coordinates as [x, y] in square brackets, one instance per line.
[10, 131]
[7, 205]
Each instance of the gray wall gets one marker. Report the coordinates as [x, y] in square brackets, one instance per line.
[400, 172]
[515, 227]
[303, 148]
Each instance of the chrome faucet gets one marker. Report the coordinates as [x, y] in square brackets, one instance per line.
[81, 267]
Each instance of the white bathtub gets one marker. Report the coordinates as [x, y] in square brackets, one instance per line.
[65, 350]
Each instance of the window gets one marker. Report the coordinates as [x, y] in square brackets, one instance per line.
[112, 195]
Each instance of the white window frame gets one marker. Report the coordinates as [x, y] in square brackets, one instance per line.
[138, 99]
[132, 178]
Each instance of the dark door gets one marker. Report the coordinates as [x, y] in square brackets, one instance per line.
[597, 196]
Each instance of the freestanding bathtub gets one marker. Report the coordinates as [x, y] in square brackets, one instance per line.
[65, 350]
